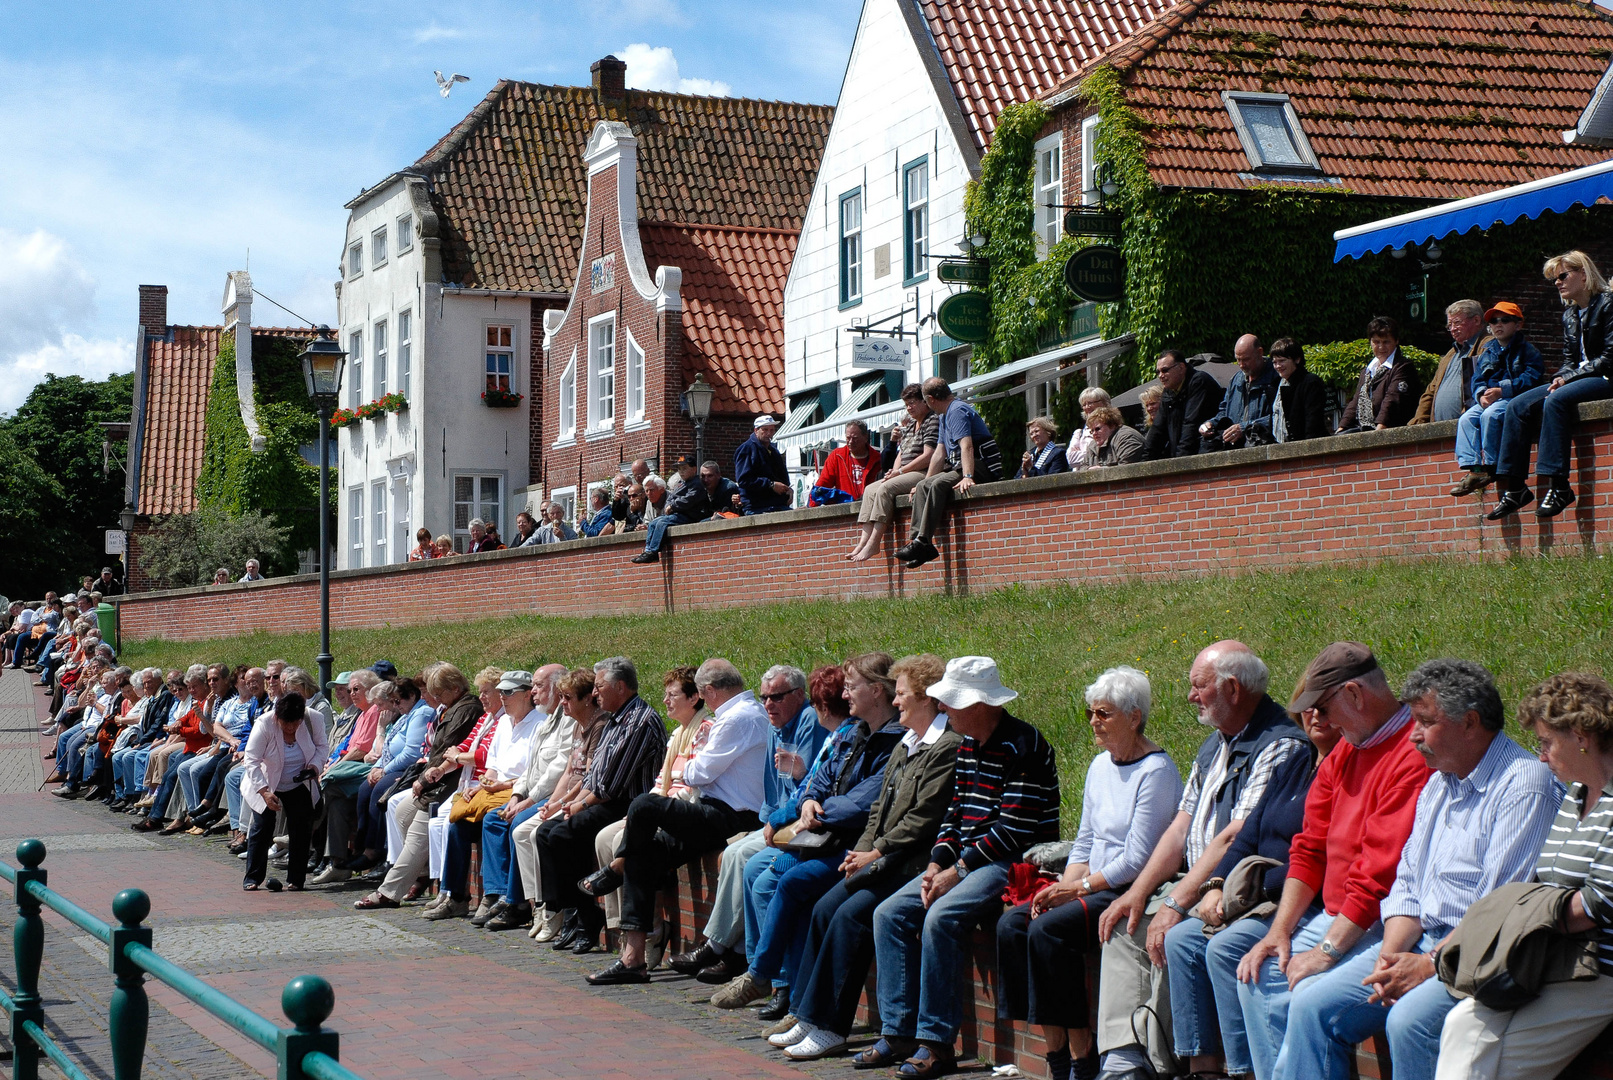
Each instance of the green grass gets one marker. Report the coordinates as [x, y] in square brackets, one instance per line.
[1524, 619]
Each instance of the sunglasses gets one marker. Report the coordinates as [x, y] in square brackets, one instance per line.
[1101, 714]
[1562, 277]
[777, 697]
[1504, 318]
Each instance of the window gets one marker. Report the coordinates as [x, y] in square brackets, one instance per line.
[355, 349]
[602, 373]
[915, 219]
[378, 246]
[635, 381]
[568, 400]
[402, 523]
[1089, 161]
[1049, 191]
[405, 349]
[379, 337]
[405, 233]
[475, 497]
[1038, 400]
[1270, 133]
[567, 498]
[851, 248]
[499, 357]
[378, 533]
[355, 526]
[355, 259]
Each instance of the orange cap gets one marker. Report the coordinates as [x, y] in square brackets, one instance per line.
[1505, 307]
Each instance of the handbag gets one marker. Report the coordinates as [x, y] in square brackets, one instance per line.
[793, 840]
[872, 875]
[480, 803]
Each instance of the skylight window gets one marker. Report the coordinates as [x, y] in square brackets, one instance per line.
[1268, 127]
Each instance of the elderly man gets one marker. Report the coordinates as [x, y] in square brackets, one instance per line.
[1480, 823]
[555, 527]
[599, 517]
[1192, 396]
[624, 767]
[252, 566]
[1244, 417]
[760, 472]
[632, 517]
[1450, 391]
[107, 585]
[642, 473]
[714, 494]
[664, 832]
[794, 739]
[1358, 815]
[968, 456]
[849, 469]
[129, 762]
[655, 499]
[1255, 748]
[684, 470]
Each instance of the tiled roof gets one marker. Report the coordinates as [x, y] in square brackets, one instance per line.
[1433, 99]
[510, 185]
[733, 307]
[1001, 52]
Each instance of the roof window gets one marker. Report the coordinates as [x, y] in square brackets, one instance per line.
[1268, 127]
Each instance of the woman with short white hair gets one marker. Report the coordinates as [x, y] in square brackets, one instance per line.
[1083, 451]
[1131, 794]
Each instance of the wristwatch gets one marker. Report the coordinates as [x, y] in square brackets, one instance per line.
[1170, 902]
[1330, 950]
[1086, 886]
[962, 868]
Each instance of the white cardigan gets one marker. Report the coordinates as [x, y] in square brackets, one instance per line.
[266, 754]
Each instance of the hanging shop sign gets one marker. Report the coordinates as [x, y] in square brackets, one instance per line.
[1097, 273]
[881, 353]
[965, 317]
[964, 273]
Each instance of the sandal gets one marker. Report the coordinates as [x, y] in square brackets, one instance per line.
[884, 1053]
[249, 886]
[600, 883]
[374, 901]
[928, 1061]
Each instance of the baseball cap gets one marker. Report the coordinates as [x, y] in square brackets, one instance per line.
[1507, 308]
[384, 669]
[764, 420]
[516, 680]
[341, 680]
[1339, 663]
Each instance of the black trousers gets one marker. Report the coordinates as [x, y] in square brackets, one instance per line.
[371, 835]
[566, 856]
[661, 835]
[839, 951]
[298, 806]
[1041, 962]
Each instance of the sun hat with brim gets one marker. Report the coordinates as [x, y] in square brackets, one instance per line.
[1339, 663]
[1507, 308]
[515, 680]
[971, 680]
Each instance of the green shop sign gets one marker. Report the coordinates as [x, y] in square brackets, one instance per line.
[966, 316]
[1097, 273]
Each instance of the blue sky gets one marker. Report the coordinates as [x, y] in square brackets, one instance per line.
[157, 143]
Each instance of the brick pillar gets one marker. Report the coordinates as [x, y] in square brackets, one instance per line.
[154, 308]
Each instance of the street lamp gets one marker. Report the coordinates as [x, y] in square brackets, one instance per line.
[322, 364]
[698, 400]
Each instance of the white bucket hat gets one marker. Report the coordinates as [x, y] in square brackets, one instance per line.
[970, 680]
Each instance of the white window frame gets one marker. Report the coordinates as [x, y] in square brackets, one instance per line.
[1234, 100]
[405, 233]
[378, 353]
[378, 252]
[355, 525]
[635, 382]
[1090, 195]
[378, 528]
[601, 414]
[477, 504]
[405, 350]
[402, 517]
[1048, 184]
[850, 252]
[355, 259]
[355, 349]
[491, 352]
[1038, 400]
[567, 412]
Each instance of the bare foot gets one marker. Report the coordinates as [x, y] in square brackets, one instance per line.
[861, 555]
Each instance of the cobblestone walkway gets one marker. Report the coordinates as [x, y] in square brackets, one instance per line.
[413, 998]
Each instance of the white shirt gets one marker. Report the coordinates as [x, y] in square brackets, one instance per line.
[507, 754]
[913, 741]
[731, 764]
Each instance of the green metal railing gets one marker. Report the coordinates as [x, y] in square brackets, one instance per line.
[305, 1051]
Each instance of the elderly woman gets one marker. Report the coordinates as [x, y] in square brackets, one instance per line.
[587, 722]
[444, 545]
[189, 740]
[1083, 452]
[424, 547]
[402, 747]
[1117, 443]
[282, 776]
[1300, 410]
[1044, 456]
[1571, 716]
[1387, 394]
[894, 846]
[1131, 793]
[465, 762]
[221, 576]
[916, 437]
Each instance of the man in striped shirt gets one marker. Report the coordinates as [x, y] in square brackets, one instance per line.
[1006, 799]
[1481, 820]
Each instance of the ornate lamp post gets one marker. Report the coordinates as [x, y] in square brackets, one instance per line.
[322, 363]
[697, 399]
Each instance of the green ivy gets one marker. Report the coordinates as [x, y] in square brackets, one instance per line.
[1339, 364]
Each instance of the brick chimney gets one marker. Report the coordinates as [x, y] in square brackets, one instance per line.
[154, 308]
[610, 80]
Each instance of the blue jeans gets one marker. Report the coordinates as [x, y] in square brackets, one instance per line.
[67, 754]
[1478, 434]
[785, 924]
[1221, 956]
[498, 852]
[170, 778]
[918, 953]
[190, 777]
[1330, 1014]
[762, 874]
[1554, 414]
[1196, 1025]
[655, 531]
[232, 796]
[122, 786]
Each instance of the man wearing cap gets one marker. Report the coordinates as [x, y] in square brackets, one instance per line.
[1508, 366]
[1449, 392]
[1358, 814]
[1005, 800]
[693, 503]
[1255, 748]
[760, 472]
[685, 469]
[1480, 823]
[109, 585]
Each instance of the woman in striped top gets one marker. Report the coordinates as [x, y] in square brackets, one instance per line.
[1572, 718]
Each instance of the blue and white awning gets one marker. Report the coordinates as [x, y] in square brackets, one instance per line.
[1582, 187]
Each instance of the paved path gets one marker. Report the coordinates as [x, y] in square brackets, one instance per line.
[411, 996]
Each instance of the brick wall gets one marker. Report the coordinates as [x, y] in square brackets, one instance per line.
[154, 309]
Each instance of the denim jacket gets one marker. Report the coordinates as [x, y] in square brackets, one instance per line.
[1511, 369]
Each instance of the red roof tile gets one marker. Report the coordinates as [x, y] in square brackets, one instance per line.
[733, 307]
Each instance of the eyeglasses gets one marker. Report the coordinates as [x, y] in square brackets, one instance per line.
[1101, 713]
[777, 697]
[1562, 277]
[1503, 318]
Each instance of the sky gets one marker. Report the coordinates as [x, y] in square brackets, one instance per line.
[170, 143]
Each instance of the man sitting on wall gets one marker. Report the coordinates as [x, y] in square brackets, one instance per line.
[655, 496]
[694, 502]
[684, 470]
[1244, 418]
[555, 527]
[760, 472]
[1449, 393]
[968, 456]
[1192, 397]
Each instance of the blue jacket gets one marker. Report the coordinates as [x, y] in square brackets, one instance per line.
[1512, 369]
[1269, 830]
[694, 503]
[807, 736]
[406, 736]
[1251, 404]
[1051, 460]
[596, 524]
[757, 467]
[847, 777]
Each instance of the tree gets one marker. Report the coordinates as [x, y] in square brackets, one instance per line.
[28, 498]
[185, 549]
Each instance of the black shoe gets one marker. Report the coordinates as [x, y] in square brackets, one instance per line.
[361, 863]
[1558, 499]
[618, 974]
[601, 882]
[907, 551]
[923, 552]
[730, 967]
[147, 825]
[646, 557]
[568, 932]
[512, 917]
[777, 1007]
[1512, 500]
[498, 908]
[586, 941]
[690, 963]
[118, 804]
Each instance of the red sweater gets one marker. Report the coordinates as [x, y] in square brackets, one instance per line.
[848, 474]
[1357, 818]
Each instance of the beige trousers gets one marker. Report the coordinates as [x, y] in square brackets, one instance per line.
[1537, 1040]
[607, 841]
[1127, 981]
[157, 763]
[526, 857]
[413, 822]
[879, 498]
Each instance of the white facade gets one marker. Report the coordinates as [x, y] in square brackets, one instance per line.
[448, 457]
[890, 189]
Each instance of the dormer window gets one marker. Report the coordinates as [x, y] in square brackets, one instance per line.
[1268, 127]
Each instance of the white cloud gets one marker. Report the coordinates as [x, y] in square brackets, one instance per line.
[70, 355]
[655, 68]
[428, 34]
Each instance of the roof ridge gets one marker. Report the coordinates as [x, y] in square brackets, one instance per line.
[446, 146]
[1139, 45]
[672, 94]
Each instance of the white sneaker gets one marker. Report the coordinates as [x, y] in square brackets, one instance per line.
[548, 926]
[789, 1038]
[820, 1043]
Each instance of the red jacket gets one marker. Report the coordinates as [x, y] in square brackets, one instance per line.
[843, 471]
[1357, 818]
[190, 729]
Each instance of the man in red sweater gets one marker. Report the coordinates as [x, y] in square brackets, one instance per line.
[1358, 815]
[850, 468]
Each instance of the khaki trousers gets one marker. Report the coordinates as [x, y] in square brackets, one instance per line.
[1128, 981]
[157, 763]
[1537, 1040]
[607, 841]
[931, 498]
[414, 823]
[523, 836]
[879, 498]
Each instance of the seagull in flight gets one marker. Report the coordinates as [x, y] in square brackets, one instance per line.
[446, 83]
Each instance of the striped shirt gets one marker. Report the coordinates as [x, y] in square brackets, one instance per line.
[628, 761]
[1471, 834]
[1201, 831]
[1579, 855]
[1005, 800]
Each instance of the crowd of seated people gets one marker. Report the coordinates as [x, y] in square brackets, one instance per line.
[1362, 862]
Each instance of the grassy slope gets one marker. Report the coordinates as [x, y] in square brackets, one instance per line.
[1523, 619]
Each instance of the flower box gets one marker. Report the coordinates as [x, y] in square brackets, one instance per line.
[392, 403]
[344, 418]
[501, 399]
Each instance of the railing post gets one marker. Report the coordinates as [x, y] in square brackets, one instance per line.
[28, 942]
[307, 1001]
[131, 1010]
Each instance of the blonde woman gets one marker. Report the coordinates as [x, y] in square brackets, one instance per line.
[1083, 452]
